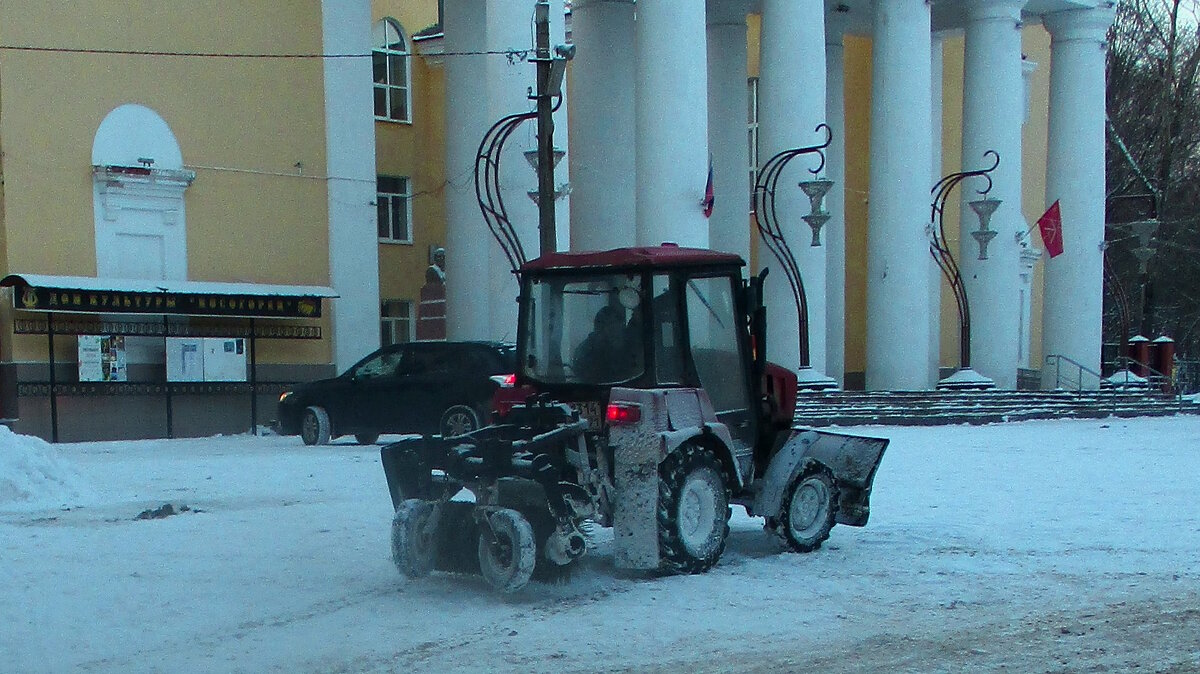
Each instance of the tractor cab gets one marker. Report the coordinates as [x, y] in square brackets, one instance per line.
[638, 318]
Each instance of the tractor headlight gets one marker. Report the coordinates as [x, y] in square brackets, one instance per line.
[284, 396]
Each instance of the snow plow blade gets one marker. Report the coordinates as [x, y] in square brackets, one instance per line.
[852, 459]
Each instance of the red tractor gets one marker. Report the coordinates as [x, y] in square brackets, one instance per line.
[650, 409]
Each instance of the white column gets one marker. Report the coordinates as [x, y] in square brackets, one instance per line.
[508, 83]
[602, 161]
[350, 150]
[834, 235]
[993, 113]
[791, 105]
[671, 77]
[1075, 176]
[729, 226]
[468, 243]
[1029, 257]
[936, 280]
[898, 298]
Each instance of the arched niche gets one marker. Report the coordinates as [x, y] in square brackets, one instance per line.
[138, 188]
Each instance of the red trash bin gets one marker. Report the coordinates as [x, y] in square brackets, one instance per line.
[1164, 360]
[1139, 351]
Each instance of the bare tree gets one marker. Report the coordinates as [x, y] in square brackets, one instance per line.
[1154, 149]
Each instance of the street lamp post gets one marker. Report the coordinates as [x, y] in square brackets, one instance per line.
[767, 221]
[965, 377]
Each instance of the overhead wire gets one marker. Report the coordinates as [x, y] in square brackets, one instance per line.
[521, 54]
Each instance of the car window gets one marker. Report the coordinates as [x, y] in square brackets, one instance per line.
[382, 365]
[431, 359]
[480, 361]
[506, 359]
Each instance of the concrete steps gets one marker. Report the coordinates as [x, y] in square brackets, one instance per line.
[933, 408]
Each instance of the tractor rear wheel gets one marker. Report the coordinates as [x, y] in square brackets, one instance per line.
[808, 511]
[507, 550]
[693, 510]
[414, 547]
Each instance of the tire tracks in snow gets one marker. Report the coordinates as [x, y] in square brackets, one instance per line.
[217, 640]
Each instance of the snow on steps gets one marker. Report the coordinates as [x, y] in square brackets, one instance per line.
[934, 408]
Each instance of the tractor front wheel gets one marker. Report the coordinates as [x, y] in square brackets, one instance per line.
[693, 510]
[507, 550]
[808, 511]
[413, 545]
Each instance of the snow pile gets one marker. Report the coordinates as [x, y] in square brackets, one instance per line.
[33, 476]
[1127, 379]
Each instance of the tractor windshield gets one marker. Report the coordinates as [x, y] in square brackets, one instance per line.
[583, 329]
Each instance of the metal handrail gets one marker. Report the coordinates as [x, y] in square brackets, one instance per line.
[1059, 358]
[1126, 360]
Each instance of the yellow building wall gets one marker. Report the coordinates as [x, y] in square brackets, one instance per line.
[1036, 47]
[251, 128]
[952, 161]
[858, 151]
[416, 151]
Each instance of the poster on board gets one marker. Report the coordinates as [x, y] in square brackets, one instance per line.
[196, 359]
[102, 358]
[224, 359]
[185, 359]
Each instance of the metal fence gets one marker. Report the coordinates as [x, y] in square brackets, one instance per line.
[1187, 376]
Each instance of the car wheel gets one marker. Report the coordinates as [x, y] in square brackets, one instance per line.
[459, 420]
[314, 426]
[366, 438]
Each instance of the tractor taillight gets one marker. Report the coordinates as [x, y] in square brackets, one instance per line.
[623, 414]
[504, 380]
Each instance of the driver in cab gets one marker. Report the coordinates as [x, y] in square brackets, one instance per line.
[607, 355]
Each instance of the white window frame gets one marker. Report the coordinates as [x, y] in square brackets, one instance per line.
[391, 201]
[397, 329]
[390, 43]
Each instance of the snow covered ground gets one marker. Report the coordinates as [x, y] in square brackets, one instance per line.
[1067, 546]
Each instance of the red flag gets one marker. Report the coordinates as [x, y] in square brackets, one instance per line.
[1050, 226]
[707, 203]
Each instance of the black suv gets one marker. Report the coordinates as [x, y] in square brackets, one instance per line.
[440, 388]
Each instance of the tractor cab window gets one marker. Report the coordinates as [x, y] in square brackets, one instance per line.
[667, 330]
[584, 330]
[713, 331]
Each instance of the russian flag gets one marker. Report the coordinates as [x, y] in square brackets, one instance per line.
[707, 204]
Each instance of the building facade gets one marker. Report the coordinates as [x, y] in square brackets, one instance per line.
[325, 152]
[910, 90]
[220, 151]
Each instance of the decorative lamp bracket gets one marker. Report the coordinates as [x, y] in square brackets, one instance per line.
[984, 208]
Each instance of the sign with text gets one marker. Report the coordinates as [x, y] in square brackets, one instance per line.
[117, 302]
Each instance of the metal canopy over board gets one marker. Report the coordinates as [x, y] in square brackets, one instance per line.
[222, 309]
[84, 294]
